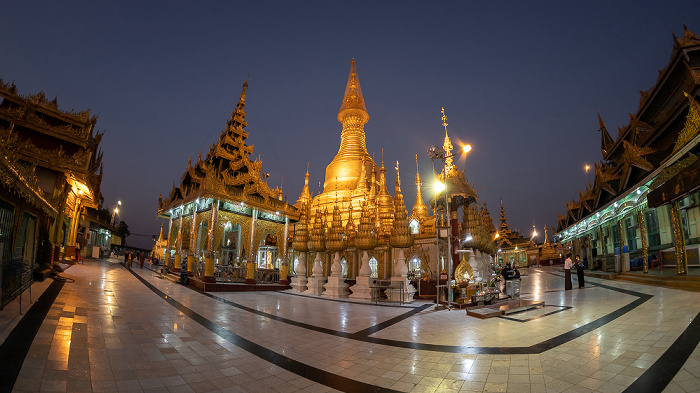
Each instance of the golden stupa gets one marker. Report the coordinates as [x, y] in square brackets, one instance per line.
[352, 177]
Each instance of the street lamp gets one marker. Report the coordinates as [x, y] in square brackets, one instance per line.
[115, 211]
[437, 152]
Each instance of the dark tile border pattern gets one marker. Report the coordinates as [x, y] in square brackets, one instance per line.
[17, 344]
[656, 378]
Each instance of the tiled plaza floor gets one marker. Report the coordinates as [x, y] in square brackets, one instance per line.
[111, 330]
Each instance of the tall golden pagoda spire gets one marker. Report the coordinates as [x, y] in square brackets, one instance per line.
[385, 203]
[305, 196]
[373, 187]
[447, 145]
[343, 173]
[420, 210]
[401, 235]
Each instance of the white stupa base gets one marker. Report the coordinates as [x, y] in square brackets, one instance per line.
[362, 290]
[315, 286]
[409, 290]
[298, 283]
[336, 287]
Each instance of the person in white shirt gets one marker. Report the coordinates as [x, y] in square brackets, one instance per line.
[568, 264]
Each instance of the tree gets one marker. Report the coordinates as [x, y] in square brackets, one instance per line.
[123, 231]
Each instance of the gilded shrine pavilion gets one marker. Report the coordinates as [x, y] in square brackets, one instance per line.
[642, 211]
[222, 211]
[356, 229]
[224, 214]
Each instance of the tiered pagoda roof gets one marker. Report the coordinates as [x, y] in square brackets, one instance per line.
[653, 137]
[228, 173]
[42, 135]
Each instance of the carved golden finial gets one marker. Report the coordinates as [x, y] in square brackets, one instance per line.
[245, 88]
[444, 119]
[447, 145]
[398, 177]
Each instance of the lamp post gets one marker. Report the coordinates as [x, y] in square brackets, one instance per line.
[437, 152]
[115, 211]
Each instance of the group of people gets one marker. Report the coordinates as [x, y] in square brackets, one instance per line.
[129, 258]
[568, 265]
[509, 273]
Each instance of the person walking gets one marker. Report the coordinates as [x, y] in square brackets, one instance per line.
[567, 272]
[131, 259]
[579, 272]
[142, 258]
[77, 252]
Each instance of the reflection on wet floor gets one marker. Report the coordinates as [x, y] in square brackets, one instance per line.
[109, 331]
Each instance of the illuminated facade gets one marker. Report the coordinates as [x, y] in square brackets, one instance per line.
[50, 173]
[642, 210]
[223, 213]
[380, 239]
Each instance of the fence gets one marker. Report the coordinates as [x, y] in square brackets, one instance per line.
[16, 278]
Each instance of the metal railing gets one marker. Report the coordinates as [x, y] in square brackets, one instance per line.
[228, 273]
[236, 274]
[16, 278]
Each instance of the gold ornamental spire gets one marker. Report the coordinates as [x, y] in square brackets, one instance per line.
[353, 102]
[373, 187]
[344, 172]
[385, 203]
[401, 235]
[447, 145]
[420, 210]
[305, 196]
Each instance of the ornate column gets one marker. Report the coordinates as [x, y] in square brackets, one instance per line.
[211, 235]
[301, 245]
[317, 243]
[58, 223]
[336, 243]
[178, 254]
[678, 239]
[624, 256]
[166, 257]
[643, 234]
[284, 265]
[605, 246]
[193, 243]
[589, 252]
[250, 266]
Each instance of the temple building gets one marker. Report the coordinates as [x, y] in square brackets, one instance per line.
[50, 171]
[512, 246]
[380, 240]
[223, 213]
[643, 210]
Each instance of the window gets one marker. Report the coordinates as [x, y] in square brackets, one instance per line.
[374, 266]
[652, 221]
[414, 266]
[344, 264]
[631, 226]
[415, 226]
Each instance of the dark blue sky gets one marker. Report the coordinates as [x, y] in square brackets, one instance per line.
[520, 81]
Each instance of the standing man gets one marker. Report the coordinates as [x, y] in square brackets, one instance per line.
[567, 272]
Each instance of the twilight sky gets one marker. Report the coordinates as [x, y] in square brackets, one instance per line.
[520, 81]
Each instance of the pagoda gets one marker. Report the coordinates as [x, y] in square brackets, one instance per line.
[223, 212]
[380, 240]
